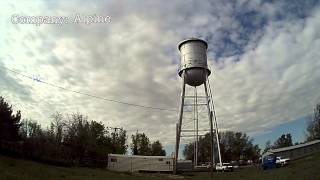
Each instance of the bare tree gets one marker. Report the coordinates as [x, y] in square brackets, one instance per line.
[313, 129]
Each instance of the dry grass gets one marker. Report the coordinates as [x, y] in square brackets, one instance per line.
[10, 168]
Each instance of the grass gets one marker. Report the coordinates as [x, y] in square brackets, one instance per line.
[11, 169]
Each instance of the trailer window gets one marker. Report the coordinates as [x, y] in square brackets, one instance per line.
[113, 159]
[168, 162]
[160, 159]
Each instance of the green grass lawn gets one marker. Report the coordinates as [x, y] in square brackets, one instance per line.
[10, 168]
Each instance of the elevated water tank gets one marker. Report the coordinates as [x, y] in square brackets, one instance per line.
[194, 61]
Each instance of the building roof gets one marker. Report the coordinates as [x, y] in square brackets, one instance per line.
[137, 156]
[294, 147]
[266, 154]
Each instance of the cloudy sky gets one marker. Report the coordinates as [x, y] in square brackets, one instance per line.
[264, 57]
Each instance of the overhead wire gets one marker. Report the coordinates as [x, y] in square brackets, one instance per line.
[122, 102]
[89, 95]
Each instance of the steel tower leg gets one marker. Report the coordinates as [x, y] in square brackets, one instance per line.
[215, 124]
[217, 137]
[197, 126]
[211, 126]
[180, 122]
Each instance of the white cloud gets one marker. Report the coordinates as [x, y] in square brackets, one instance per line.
[275, 82]
[135, 59]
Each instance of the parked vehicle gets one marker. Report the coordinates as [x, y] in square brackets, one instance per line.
[282, 161]
[201, 168]
[224, 167]
[234, 164]
[269, 162]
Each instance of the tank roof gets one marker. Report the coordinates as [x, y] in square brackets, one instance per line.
[191, 39]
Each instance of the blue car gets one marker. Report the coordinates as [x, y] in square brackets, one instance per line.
[269, 162]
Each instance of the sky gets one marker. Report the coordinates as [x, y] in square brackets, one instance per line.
[264, 57]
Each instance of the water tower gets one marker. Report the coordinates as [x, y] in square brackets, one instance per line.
[194, 72]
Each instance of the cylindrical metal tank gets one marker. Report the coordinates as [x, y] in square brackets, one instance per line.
[194, 61]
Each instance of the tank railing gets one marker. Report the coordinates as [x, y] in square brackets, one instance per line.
[194, 96]
[181, 67]
[192, 136]
[200, 104]
[191, 130]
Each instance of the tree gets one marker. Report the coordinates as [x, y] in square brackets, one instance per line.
[313, 129]
[78, 137]
[140, 144]
[284, 140]
[233, 146]
[38, 143]
[118, 141]
[188, 151]
[157, 149]
[9, 123]
[237, 146]
[33, 129]
[57, 127]
[70, 140]
[204, 149]
[267, 147]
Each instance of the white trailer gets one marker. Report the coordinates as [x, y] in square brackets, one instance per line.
[134, 163]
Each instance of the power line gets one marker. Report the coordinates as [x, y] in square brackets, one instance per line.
[132, 104]
[90, 95]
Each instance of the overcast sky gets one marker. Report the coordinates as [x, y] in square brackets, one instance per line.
[264, 57]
